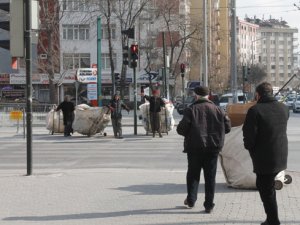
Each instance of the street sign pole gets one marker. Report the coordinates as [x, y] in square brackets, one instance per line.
[135, 101]
[99, 66]
[28, 85]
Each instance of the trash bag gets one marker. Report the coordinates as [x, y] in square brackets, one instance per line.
[236, 161]
[90, 120]
[55, 122]
[166, 117]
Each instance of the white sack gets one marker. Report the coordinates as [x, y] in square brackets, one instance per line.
[90, 120]
[166, 117]
[55, 122]
[236, 162]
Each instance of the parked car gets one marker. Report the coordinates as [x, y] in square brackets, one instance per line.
[296, 105]
[289, 101]
[228, 98]
[187, 102]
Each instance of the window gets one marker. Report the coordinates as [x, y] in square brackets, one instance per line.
[106, 61]
[289, 67]
[281, 59]
[281, 67]
[76, 32]
[273, 59]
[281, 74]
[273, 42]
[273, 74]
[272, 50]
[281, 42]
[76, 60]
[75, 5]
[104, 31]
[273, 67]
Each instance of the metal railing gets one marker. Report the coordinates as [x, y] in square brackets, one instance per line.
[39, 114]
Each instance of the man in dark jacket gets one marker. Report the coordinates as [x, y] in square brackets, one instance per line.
[67, 108]
[204, 126]
[266, 140]
[156, 103]
[116, 105]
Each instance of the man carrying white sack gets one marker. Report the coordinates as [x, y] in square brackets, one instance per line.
[265, 138]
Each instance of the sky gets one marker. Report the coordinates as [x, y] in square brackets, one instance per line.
[278, 9]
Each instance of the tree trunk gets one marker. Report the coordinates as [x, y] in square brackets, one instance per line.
[50, 70]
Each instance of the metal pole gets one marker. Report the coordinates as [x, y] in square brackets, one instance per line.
[182, 77]
[28, 85]
[135, 101]
[205, 63]
[165, 65]
[252, 53]
[99, 66]
[233, 52]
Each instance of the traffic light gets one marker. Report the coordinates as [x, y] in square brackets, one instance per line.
[125, 55]
[182, 69]
[248, 71]
[117, 78]
[129, 32]
[15, 26]
[134, 55]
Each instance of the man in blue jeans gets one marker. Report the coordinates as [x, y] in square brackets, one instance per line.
[204, 126]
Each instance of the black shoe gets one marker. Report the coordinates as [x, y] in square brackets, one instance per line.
[160, 135]
[153, 135]
[188, 204]
[264, 223]
[209, 209]
[120, 137]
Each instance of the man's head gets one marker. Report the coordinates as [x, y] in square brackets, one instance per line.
[201, 92]
[67, 98]
[155, 93]
[264, 90]
[116, 97]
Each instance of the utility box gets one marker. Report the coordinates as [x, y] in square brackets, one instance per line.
[17, 28]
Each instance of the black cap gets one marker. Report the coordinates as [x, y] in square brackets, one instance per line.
[202, 91]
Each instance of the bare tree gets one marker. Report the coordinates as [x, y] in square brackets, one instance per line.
[127, 13]
[257, 75]
[49, 43]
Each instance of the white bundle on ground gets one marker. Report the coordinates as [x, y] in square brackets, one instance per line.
[54, 121]
[236, 162]
[90, 120]
[166, 117]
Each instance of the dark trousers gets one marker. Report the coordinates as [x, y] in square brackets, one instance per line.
[207, 162]
[265, 185]
[117, 126]
[155, 122]
[68, 127]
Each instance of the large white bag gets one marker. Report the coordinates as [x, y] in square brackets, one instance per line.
[54, 121]
[166, 117]
[90, 120]
[236, 162]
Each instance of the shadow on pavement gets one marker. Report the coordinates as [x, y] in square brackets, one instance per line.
[171, 188]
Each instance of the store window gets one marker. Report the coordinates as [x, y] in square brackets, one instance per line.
[76, 60]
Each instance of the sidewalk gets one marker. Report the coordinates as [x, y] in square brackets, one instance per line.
[130, 197]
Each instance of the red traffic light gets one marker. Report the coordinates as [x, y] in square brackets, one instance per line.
[182, 68]
[134, 49]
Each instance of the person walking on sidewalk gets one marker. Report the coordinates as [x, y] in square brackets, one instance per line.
[67, 108]
[266, 140]
[156, 103]
[204, 126]
[116, 105]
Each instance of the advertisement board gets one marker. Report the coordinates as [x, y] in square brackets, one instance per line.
[87, 75]
[92, 91]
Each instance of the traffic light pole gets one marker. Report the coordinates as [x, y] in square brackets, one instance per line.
[135, 101]
[99, 66]
[28, 85]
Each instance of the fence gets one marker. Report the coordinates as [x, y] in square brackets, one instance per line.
[14, 114]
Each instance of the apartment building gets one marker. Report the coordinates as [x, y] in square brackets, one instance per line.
[277, 47]
[247, 43]
[218, 30]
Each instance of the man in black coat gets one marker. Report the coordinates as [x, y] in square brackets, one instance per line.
[67, 108]
[156, 103]
[116, 105]
[204, 126]
[265, 138]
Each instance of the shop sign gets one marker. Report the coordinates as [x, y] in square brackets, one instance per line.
[92, 91]
[87, 75]
[13, 94]
[17, 79]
